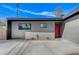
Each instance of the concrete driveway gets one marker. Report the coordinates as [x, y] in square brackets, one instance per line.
[37, 47]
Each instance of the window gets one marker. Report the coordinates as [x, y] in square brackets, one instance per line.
[24, 26]
[43, 25]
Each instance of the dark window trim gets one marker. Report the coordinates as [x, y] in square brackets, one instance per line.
[45, 24]
[24, 28]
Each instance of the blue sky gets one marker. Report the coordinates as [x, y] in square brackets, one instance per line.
[34, 10]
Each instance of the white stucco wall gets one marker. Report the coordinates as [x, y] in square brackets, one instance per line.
[35, 27]
[3, 33]
[71, 30]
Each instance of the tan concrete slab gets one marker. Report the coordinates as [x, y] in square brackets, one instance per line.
[38, 47]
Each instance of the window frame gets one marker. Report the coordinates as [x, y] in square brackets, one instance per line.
[45, 25]
[24, 28]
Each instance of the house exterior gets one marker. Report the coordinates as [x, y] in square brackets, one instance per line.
[66, 27]
[17, 27]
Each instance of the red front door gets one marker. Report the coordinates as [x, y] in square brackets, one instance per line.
[57, 30]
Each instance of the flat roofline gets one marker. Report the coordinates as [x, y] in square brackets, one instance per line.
[34, 19]
[71, 12]
[43, 19]
[71, 16]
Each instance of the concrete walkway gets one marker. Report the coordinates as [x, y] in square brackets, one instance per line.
[37, 47]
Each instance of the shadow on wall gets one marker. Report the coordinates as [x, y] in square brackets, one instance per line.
[63, 26]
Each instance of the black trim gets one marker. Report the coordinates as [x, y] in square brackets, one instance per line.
[71, 16]
[42, 19]
[9, 24]
[34, 19]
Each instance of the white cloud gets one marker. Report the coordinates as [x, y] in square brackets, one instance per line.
[45, 13]
[8, 7]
